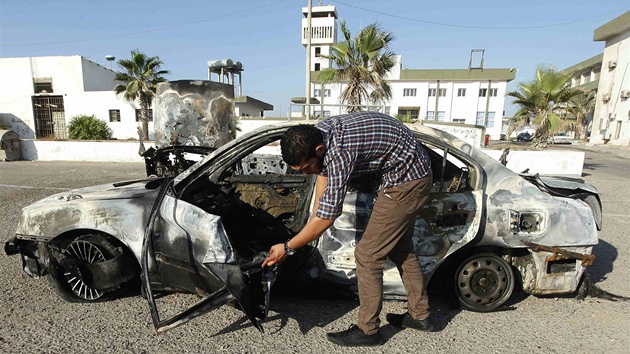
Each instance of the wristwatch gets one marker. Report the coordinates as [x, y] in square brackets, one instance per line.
[288, 250]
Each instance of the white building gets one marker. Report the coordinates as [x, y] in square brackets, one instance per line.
[40, 95]
[611, 120]
[468, 96]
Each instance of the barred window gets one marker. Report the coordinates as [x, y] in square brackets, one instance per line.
[114, 115]
[149, 113]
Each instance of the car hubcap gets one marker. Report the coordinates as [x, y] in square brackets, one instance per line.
[87, 253]
[483, 281]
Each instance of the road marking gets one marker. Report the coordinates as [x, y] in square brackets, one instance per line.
[30, 187]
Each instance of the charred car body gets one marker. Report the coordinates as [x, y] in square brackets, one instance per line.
[207, 230]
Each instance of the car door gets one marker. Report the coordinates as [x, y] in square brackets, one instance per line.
[211, 232]
[187, 249]
[448, 221]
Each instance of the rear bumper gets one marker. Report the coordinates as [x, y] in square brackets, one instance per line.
[549, 270]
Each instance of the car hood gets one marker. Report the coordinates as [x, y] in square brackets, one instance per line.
[109, 191]
[118, 209]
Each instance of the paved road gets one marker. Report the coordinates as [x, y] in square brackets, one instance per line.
[34, 320]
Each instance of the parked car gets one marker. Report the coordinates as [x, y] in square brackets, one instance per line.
[524, 136]
[559, 138]
[208, 230]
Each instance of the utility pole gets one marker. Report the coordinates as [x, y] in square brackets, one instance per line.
[308, 60]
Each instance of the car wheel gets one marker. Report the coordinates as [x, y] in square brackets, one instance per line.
[483, 282]
[85, 250]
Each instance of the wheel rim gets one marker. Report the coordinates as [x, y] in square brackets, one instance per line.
[485, 282]
[87, 253]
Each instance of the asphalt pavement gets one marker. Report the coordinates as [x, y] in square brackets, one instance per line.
[34, 320]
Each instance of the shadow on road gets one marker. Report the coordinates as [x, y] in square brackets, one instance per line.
[605, 255]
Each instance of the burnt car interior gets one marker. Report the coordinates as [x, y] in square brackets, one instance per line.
[260, 199]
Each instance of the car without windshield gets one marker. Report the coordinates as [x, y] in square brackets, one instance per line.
[208, 229]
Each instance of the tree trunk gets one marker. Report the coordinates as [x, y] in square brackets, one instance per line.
[144, 118]
[539, 141]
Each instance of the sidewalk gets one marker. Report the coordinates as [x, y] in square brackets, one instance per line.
[620, 151]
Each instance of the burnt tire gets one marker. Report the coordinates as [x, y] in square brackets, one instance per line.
[483, 282]
[71, 279]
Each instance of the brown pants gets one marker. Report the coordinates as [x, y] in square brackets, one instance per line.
[388, 234]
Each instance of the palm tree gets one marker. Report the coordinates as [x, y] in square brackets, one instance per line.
[581, 105]
[541, 102]
[362, 61]
[139, 82]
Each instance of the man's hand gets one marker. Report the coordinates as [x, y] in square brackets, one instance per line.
[276, 255]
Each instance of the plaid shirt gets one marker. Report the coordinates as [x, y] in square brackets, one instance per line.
[367, 142]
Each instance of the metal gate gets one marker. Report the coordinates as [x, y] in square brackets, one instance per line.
[50, 117]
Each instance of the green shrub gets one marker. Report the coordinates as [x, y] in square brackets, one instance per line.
[88, 128]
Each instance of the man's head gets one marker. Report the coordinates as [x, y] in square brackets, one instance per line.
[303, 148]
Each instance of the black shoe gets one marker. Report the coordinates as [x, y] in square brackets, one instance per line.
[406, 321]
[354, 337]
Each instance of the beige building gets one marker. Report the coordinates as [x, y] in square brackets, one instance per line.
[611, 119]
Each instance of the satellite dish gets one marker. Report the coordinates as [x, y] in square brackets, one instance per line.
[110, 57]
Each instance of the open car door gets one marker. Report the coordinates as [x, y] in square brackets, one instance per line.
[187, 249]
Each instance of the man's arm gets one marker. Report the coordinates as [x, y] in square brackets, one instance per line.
[320, 186]
[312, 230]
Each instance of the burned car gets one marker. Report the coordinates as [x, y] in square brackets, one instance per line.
[207, 231]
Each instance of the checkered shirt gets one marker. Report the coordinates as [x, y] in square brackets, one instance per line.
[367, 142]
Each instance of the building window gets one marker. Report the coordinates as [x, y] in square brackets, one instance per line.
[481, 118]
[484, 91]
[461, 92]
[318, 51]
[411, 112]
[317, 66]
[432, 92]
[431, 115]
[442, 92]
[149, 113]
[409, 92]
[42, 85]
[326, 92]
[114, 115]
[459, 121]
[317, 93]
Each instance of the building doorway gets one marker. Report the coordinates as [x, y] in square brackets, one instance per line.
[50, 117]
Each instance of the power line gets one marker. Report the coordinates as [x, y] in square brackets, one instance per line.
[146, 31]
[475, 27]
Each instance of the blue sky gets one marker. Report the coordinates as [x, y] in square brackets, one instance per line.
[265, 34]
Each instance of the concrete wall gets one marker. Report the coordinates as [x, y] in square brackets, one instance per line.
[549, 162]
[194, 112]
[104, 151]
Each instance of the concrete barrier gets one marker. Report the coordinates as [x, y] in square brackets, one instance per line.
[105, 151]
[547, 162]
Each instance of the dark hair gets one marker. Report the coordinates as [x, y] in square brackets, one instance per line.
[298, 143]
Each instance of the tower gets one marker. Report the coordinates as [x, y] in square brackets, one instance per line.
[323, 34]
